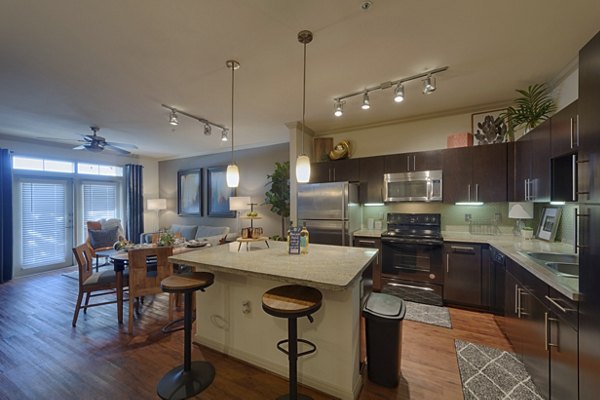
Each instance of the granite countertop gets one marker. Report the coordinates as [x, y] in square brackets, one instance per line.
[324, 267]
[514, 247]
[373, 233]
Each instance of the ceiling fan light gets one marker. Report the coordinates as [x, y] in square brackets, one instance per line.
[339, 109]
[303, 168]
[366, 104]
[173, 120]
[399, 93]
[233, 176]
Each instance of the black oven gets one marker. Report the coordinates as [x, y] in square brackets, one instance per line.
[420, 262]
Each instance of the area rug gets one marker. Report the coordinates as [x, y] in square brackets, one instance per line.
[428, 314]
[488, 373]
[73, 273]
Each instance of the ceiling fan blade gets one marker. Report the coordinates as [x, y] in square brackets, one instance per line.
[119, 150]
[126, 145]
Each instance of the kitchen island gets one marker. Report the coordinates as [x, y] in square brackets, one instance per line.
[230, 318]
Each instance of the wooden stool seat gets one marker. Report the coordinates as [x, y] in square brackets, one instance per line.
[192, 377]
[187, 282]
[293, 302]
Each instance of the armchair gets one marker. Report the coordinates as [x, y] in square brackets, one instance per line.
[102, 235]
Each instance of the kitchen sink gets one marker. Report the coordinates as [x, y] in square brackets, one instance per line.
[564, 269]
[554, 257]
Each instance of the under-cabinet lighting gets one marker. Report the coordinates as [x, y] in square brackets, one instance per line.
[373, 204]
[469, 203]
[557, 203]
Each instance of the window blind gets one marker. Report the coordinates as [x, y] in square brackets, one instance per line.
[99, 201]
[43, 223]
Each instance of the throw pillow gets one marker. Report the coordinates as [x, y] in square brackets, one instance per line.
[104, 237]
[187, 231]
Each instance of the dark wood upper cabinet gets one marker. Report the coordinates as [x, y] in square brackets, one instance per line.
[477, 173]
[532, 163]
[409, 162]
[371, 179]
[564, 133]
[335, 171]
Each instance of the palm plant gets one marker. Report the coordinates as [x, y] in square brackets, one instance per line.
[278, 195]
[533, 107]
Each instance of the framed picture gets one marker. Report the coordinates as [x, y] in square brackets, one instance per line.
[486, 136]
[217, 193]
[189, 195]
[549, 223]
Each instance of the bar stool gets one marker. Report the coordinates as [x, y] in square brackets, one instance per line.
[191, 378]
[293, 302]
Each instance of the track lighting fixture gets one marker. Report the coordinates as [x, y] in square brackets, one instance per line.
[303, 162]
[399, 93]
[224, 135]
[233, 172]
[339, 108]
[366, 104]
[429, 86]
[173, 120]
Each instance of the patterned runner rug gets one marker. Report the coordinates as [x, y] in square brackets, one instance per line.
[428, 314]
[488, 374]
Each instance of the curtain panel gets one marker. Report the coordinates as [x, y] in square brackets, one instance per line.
[6, 218]
[134, 202]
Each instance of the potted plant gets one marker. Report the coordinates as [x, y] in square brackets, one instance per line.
[166, 239]
[278, 196]
[533, 107]
[527, 232]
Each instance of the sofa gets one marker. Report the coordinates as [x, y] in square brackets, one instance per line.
[214, 235]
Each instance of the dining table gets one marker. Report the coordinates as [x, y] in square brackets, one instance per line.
[120, 260]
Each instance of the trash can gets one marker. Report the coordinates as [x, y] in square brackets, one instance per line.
[383, 320]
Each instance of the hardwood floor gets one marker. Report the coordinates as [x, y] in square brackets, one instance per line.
[43, 357]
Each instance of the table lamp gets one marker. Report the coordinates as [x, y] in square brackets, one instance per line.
[157, 205]
[520, 211]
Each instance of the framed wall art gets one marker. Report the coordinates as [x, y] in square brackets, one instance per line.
[217, 193]
[549, 223]
[189, 192]
[487, 128]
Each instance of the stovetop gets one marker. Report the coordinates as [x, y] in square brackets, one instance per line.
[413, 226]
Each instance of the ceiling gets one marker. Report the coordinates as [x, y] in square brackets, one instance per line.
[69, 64]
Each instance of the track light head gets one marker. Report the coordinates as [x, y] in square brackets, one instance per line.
[207, 129]
[366, 104]
[429, 85]
[225, 135]
[339, 108]
[399, 93]
[173, 120]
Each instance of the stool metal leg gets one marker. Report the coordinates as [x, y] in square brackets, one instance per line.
[292, 352]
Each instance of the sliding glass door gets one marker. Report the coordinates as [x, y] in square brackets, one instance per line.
[43, 224]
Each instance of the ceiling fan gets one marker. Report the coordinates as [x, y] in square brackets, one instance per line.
[97, 143]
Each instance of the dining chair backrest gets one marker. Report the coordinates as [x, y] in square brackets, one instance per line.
[147, 268]
[85, 262]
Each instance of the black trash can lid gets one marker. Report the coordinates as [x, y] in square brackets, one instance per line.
[385, 306]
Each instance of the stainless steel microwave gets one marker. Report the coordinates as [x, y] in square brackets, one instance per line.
[413, 186]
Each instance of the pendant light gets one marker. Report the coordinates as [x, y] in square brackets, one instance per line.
[303, 162]
[233, 173]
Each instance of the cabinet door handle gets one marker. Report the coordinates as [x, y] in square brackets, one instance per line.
[408, 163]
[372, 242]
[447, 263]
[574, 176]
[469, 192]
[414, 163]
[518, 302]
[477, 192]
[555, 302]
[577, 130]
[577, 216]
[516, 299]
[571, 123]
[463, 249]
[547, 333]
[526, 189]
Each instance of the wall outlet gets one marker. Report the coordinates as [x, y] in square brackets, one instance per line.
[467, 217]
[246, 307]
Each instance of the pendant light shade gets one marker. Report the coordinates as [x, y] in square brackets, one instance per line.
[303, 169]
[233, 176]
[303, 162]
[233, 172]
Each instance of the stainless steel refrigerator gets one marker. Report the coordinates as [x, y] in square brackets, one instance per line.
[330, 210]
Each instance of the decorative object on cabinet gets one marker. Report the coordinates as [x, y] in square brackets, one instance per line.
[278, 196]
[533, 107]
[189, 199]
[429, 86]
[321, 148]
[549, 223]
[489, 127]
[342, 150]
[217, 193]
[463, 139]
[520, 211]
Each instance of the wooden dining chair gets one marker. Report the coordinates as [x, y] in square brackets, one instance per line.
[92, 283]
[147, 268]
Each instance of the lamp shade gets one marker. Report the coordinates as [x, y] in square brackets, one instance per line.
[521, 210]
[157, 204]
[303, 169]
[233, 176]
[239, 203]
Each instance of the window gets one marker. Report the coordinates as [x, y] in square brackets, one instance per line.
[96, 169]
[38, 164]
[43, 223]
[99, 200]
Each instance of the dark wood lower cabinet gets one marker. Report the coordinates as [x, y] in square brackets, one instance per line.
[462, 274]
[374, 243]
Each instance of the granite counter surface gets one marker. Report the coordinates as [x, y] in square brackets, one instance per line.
[371, 233]
[324, 267]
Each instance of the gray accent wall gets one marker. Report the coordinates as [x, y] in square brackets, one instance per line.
[254, 164]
